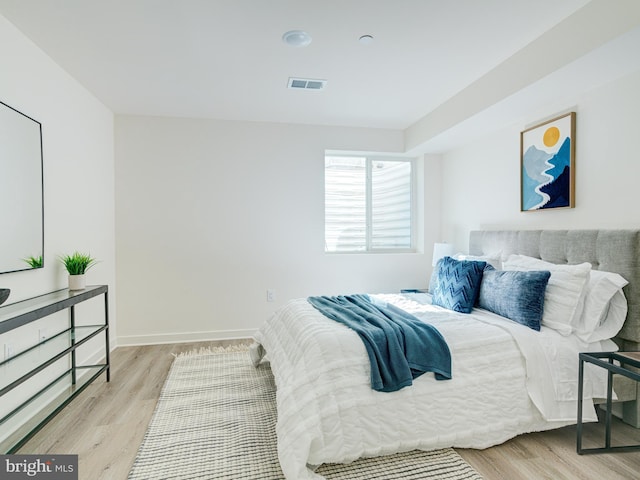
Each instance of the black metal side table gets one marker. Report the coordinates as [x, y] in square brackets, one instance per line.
[606, 360]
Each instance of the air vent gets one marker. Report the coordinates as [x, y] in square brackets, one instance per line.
[306, 83]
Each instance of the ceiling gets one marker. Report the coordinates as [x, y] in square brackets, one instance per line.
[225, 59]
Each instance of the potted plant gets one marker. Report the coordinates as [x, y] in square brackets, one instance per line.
[34, 261]
[77, 264]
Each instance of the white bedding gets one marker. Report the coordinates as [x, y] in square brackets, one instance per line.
[507, 380]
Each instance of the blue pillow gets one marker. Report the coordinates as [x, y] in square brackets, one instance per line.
[457, 284]
[514, 294]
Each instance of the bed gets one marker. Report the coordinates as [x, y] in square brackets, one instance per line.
[508, 379]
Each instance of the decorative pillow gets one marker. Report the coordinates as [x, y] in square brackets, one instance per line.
[565, 293]
[605, 307]
[457, 284]
[516, 295]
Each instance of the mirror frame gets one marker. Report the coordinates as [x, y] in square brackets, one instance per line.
[11, 269]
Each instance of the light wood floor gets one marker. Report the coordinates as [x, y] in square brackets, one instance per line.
[106, 423]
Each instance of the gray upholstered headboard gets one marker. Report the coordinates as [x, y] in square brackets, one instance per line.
[609, 250]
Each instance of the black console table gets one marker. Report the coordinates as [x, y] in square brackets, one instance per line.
[52, 394]
[616, 363]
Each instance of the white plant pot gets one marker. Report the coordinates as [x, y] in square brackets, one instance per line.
[77, 282]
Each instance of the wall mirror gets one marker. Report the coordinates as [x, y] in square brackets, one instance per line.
[21, 191]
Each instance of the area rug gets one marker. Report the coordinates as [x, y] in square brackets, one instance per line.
[215, 419]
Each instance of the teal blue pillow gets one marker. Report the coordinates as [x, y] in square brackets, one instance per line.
[516, 295]
[457, 284]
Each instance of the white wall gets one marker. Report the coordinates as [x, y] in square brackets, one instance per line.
[481, 181]
[210, 214]
[78, 161]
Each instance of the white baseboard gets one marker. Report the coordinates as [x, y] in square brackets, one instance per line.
[183, 337]
[95, 358]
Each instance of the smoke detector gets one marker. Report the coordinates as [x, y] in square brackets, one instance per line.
[306, 83]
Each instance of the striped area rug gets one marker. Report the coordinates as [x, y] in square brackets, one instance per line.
[215, 419]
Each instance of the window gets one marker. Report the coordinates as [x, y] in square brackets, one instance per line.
[368, 204]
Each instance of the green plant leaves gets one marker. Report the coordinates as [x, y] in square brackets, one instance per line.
[78, 263]
[34, 262]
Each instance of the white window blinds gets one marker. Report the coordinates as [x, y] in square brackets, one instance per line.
[368, 204]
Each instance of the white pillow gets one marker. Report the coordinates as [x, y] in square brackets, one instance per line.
[565, 293]
[493, 259]
[605, 307]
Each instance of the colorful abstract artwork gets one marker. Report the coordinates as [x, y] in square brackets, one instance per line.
[547, 154]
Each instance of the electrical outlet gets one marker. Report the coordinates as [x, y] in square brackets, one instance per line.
[8, 351]
[271, 295]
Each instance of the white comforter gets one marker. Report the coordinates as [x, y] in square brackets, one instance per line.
[507, 380]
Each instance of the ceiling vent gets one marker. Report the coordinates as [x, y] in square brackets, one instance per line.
[306, 83]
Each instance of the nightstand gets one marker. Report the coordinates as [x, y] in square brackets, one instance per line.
[629, 366]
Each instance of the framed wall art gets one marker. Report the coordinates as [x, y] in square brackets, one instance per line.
[547, 164]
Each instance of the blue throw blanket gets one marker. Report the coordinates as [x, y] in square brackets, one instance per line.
[399, 345]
